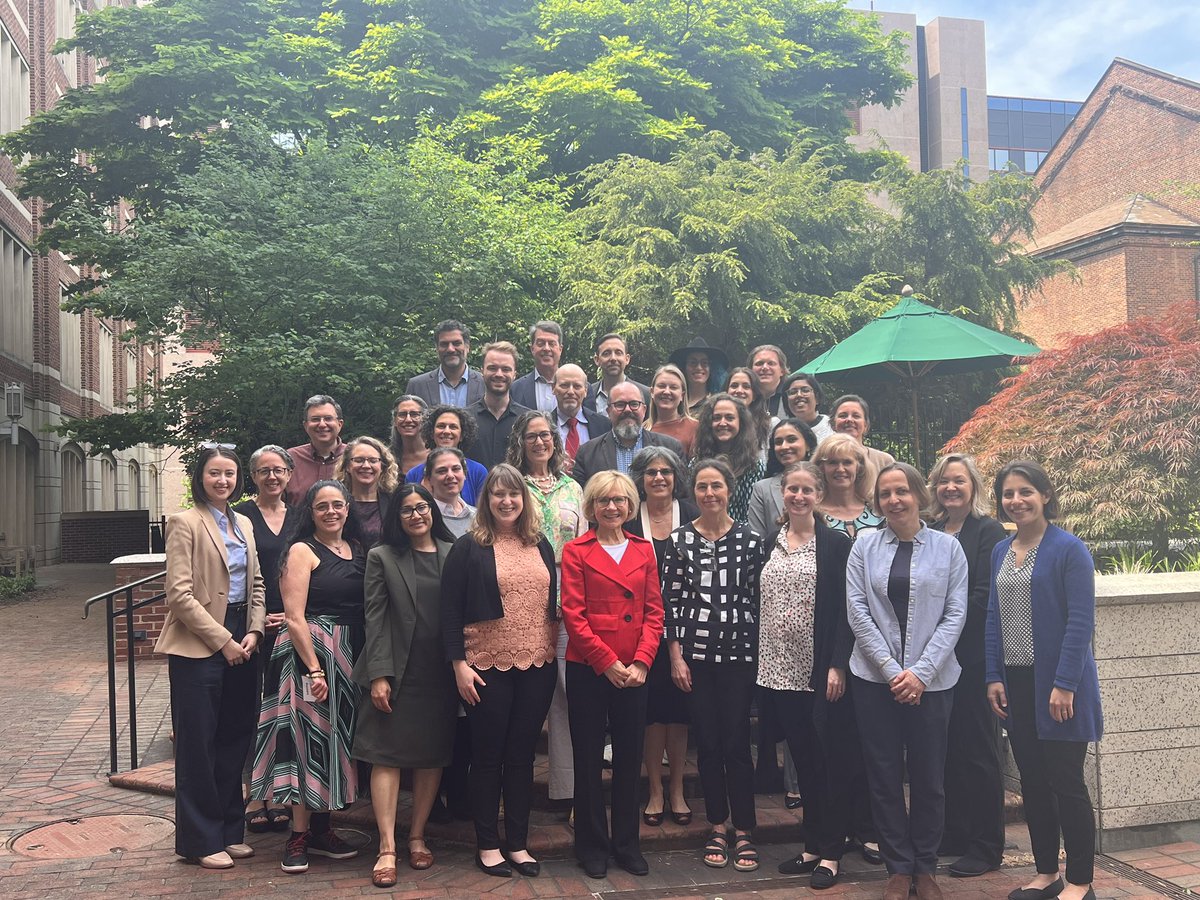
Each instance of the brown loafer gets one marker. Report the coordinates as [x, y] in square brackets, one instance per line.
[419, 859]
[927, 888]
[385, 877]
[897, 887]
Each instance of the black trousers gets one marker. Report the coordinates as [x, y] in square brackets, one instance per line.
[719, 703]
[1053, 791]
[505, 725]
[974, 784]
[454, 776]
[592, 701]
[214, 710]
[793, 710]
[892, 734]
[849, 808]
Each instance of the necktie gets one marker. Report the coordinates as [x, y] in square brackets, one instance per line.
[572, 445]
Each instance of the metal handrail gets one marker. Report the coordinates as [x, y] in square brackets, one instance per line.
[111, 618]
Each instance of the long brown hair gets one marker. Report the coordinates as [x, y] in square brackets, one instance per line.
[529, 524]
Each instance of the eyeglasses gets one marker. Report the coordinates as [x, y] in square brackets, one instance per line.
[212, 445]
[335, 505]
[611, 501]
[412, 512]
[800, 391]
[535, 436]
[277, 471]
[627, 404]
[660, 473]
[318, 420]
[366, 460]
[407, 414]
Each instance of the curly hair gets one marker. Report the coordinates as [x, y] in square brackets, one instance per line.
[646, 457]
[466, 421]
[742, 453]
[389, 472]
[516, 443]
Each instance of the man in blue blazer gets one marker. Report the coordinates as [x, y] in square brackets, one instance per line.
[535, 389]
[453, 381]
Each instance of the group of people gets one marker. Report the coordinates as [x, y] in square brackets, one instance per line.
[625, 563]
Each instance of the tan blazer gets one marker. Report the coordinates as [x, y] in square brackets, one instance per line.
[198, 585]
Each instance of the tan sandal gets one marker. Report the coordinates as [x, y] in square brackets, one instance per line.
[385, 877]
[419, 859]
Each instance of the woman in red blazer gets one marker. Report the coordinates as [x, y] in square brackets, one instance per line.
[612, 609]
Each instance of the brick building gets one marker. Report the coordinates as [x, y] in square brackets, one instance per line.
[56, 364]
[1121, 200]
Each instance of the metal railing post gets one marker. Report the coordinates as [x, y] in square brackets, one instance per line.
[129, 659]
[112, 686]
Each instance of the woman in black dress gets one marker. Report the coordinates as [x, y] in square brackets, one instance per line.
[369, 472]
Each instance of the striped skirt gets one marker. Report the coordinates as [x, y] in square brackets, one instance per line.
[302, 750]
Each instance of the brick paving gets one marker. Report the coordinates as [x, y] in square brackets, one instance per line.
[54, 734]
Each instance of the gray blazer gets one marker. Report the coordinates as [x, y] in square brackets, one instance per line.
[600, 453]
[766, 505]
[391, 614]
[426, 387]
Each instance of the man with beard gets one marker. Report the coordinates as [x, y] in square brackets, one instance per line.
[612, 358]
[576, 424]
[452, 382]
[316, 460]
[496, 411]
[615, 450]
[535, 390]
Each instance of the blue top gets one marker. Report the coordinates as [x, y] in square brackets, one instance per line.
[1063, 597]
[235, 555]
[453, 396]
[625, 454]
[472, 485]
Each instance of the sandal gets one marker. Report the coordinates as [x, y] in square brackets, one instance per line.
[745, 855]
[653, 819]
[682, 818]
[258, 820]
[385, 877]
[718, 845]
[280, 818]
[419, 859]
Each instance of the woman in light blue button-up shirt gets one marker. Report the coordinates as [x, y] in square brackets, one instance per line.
[906, 599]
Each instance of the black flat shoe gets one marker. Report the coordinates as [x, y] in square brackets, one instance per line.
[634, 865]
[823, 877]
[531, 868]
[871, 855]
[595, 868]
[970, 867]
[500, 869]
[798, 865]
[792, 802]
[1045, 893]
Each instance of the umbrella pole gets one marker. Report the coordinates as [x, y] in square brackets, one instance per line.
[916, 419]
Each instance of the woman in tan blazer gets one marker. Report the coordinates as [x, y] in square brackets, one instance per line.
[215, 618]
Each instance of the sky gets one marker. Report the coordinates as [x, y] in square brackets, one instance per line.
[1058, 49]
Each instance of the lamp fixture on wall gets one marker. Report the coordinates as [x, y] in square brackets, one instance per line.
[14, 406]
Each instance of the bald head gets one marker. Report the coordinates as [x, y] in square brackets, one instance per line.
[570, 386]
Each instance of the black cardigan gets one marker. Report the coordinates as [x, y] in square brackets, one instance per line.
[977, 537]
[832, 638]
[470, 592]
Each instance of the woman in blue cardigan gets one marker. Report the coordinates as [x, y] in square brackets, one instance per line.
[1042, 676]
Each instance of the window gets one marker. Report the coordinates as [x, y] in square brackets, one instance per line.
[136, 499]
[966, 147]
[104, 351]
[65, 12]
[108, 483]
[74, 495]
[14, 84]
[16, 298]
[131, 376]
[70, 348]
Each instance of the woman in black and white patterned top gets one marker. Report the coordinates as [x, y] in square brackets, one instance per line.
[710, 594]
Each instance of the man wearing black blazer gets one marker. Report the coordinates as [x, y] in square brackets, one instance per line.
[615, 450]
[453, 381]
[612, 359]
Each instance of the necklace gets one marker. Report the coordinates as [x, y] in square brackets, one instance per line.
[336, 548]
[543, 482]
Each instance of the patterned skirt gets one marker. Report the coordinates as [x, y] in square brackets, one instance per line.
[302, 750]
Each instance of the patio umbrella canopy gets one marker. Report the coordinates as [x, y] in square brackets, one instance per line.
[912, 341]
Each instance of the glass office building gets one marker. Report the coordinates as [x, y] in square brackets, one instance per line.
[1022, 130]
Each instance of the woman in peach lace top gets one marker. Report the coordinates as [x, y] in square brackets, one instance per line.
[499, 587]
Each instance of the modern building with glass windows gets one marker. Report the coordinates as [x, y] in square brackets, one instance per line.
[1022, 130]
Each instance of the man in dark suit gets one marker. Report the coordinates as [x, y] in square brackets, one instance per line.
[577, 423]
[535, 389]
[453, 381]
[615, 450]
[611, 358]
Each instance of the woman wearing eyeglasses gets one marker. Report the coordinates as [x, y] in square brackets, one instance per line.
[408, 447]
[406, 716]
[803, 396]
[369, 472]
[535, 449]
[446, 426]
[306, 727]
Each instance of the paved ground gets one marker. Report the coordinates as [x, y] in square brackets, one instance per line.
[54, 763]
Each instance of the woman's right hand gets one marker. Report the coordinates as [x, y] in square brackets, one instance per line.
[320, 689]
[235, 654]
[616, 674]
[467, 678]
[681, 674]
[381, 694]
[835, 685]
[998, 698]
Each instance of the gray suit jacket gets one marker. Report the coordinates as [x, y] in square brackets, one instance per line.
[766, 504]
[391, 614]
[426, 387]
[600, 454]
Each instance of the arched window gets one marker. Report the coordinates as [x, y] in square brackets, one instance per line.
[108, 483]
[71, 470]
[135, 498]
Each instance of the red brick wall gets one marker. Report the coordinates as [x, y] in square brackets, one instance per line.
[149, 618]
[1067, 307]
[1161, 274]
[103, 536]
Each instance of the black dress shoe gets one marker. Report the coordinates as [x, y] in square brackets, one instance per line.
[595, 868]
[871, 855]
[500, 869]
[531, 868]
[823, 877]
[970, 867]
[798, 865]
[1042, 893]
[634, 864]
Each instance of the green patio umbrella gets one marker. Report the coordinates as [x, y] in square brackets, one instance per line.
[912, 341]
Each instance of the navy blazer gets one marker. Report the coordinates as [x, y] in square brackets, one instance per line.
[523, 391]
[1063, 596]
[427, 388]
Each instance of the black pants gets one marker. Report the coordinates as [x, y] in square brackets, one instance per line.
[849, 809]
[505, 725]
[793, 710]
[214, 709]
[592, 700]
[893, 733]
[974, 784]
[720, 708]
[454, 776]
[1055, 796]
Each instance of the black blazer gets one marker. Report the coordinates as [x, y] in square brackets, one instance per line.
[832, 638]
[600, 453]
[426, 387]
[977, 537]
[470, 592]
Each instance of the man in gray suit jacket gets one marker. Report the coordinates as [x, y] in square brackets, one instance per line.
[452, 382]
[615, 450]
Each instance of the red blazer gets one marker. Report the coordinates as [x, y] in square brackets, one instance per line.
[611, 612]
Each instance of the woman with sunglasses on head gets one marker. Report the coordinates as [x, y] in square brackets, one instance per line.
[499, 623]
[406, 716]
[369, 471]
[215, 622]
[306, 726]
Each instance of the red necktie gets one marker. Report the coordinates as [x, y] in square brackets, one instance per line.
[572, 445]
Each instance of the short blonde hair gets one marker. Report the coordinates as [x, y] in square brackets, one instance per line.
[835, 445]
[388, 468]
[979, 500]
[607, 484]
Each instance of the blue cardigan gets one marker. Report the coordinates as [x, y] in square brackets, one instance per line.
[1063, 595]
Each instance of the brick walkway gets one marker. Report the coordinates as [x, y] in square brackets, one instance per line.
[53, 767]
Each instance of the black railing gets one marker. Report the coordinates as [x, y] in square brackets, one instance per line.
[111, 628]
